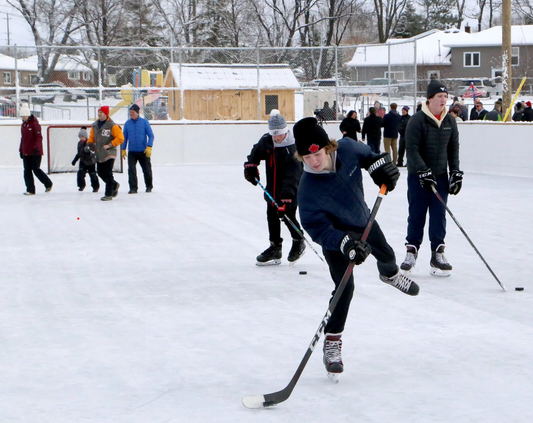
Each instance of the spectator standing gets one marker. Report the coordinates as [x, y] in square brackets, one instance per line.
[495, 114]
[391, 125]
[107, 136]
[87, 158]
[380, 111]
[31, 151]
[403, 125]
[327, 112]
[283, 174]
[350, 125]
[527, 116]
[478, 112]
[138, 133]
[372, 127]
[518, 112]
[432, 144]
[454, 111]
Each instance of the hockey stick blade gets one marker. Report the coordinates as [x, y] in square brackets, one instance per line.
[269, 400]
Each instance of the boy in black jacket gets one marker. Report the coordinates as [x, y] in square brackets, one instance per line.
[283, 174]
[87, 159]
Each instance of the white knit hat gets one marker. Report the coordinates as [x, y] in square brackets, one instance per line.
[277, 124]
[24, 110]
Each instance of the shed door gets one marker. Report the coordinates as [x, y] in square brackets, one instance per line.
[229, 105]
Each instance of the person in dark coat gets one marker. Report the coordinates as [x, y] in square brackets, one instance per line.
[478, 112]
[403, 126]
[372, 127]
[350, 125]
[327, 112]
[283, 174]
[31, 151]
[391, 125]
[334, 214]
[527, 116]
[518, 112]
[432, 144]
[87, 157]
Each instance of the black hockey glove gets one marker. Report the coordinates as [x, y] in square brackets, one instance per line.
[251, 173]
[455, 182]
[74, 162]
[383, 171]
[285, 206]
[356, 251]
[427, 180]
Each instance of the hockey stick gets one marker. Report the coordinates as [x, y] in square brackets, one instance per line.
[268, 400]
[290, 221]
[466, 236]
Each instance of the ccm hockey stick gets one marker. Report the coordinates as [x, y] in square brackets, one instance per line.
[289, 220]
[467, 237]
[268, 400]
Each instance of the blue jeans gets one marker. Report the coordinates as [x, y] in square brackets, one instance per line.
[420, 201]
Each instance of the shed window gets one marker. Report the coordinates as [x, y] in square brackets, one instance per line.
[271, 102]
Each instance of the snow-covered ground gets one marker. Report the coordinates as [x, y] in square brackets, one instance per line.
[150, 308]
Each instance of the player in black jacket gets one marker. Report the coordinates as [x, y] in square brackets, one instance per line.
[283, 174]
[87, 158]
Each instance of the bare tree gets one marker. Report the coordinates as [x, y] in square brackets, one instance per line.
[388, 13]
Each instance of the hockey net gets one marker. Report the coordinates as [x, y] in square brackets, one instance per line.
[63, 147]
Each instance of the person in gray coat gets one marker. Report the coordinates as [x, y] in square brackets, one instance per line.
[432, 146]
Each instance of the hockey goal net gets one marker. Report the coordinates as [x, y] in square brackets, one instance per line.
[63, 147]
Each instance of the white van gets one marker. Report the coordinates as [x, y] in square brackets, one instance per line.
[486, 85]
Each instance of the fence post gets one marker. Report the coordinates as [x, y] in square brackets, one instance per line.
[17, 82]
[100, 71]
[416, 79]
[258, 87]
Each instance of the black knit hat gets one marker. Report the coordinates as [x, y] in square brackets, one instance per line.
[135, 108]
[435, 87]
[309, 136]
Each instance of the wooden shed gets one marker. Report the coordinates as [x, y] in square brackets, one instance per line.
[230, 92]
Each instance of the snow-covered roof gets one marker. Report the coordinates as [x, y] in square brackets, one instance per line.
[431, 49]
[233, 77]
[492, 37]
[65, 63]
[8, 63]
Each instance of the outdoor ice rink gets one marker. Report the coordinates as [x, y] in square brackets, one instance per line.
[150, 309]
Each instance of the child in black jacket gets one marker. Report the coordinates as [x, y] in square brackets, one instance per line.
[87, 158]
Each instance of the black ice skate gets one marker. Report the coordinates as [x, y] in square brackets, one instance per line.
[271, 256]
[332, 356]
[410, 259]
[439, 264]
[297, 250]
[401, 282]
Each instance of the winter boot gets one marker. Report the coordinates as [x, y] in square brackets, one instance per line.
[297, 250]
[401, 282]
[272, 255]
[410, 259]
[439, 264]
[332, 353]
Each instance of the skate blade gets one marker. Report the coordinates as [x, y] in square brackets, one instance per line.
[435, 271]
[335, 377]
[268, 263]
[291, 263]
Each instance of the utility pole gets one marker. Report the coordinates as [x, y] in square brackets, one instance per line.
[8, 39]
[506, 58]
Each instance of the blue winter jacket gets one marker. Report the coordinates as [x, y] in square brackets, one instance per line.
[331, 204]
[136, 132]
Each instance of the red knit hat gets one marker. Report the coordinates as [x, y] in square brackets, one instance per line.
[105, 110]
[528, 103]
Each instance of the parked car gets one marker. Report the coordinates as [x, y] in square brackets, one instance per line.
[484, 86]
[8, 107]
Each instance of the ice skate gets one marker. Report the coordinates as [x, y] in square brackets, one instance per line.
[410, 259]
[297, 250]
[115, 192]
[271, 256]
[401, 282]
[439, 264]
[332, 356]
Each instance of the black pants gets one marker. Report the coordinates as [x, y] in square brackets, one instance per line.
[374, 143]
[274, 224]
[32, 165]
[146, 166]
[105, 171]
[91, 170]
[338, 262]
[401, 150]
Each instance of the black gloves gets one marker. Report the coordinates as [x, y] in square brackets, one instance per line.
[74, 162]
[356, 251]
[251, 173]
[383, 171]
[285, 206]
[455, 182]
[427, 180]
[21, 156]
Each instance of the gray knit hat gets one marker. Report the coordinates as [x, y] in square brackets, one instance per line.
[83, 133]
[277, 124]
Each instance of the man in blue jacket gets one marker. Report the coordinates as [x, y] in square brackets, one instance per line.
[139, 139]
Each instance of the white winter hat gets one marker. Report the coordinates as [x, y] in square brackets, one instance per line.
[24, 110]
[277, 124]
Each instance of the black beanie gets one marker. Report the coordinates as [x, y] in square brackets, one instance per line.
[135, 108]
[436, 87]
[309, 136]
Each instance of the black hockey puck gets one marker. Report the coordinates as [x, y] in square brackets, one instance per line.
[303, 272]
[519, 288]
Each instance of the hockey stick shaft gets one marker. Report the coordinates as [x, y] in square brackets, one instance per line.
[289, 221]
[268, 400]
[466, 236]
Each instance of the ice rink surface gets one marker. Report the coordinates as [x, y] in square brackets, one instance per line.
[150, 309]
